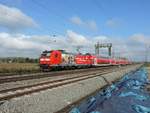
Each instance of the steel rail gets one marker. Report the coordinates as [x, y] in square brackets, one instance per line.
[49, 72]
[20, 91]
[43, 75]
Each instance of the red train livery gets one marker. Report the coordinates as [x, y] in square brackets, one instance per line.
[63, 59]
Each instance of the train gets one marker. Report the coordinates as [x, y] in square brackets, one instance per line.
[60, 59]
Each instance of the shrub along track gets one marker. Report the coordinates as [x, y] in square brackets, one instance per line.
[49, 84]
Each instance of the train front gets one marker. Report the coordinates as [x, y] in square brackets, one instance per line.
[50, 59]
[45, 60]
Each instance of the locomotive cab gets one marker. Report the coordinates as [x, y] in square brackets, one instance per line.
[56, 59]
[50, 58]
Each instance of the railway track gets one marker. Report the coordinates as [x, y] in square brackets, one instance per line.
[49, 72]
[18, 91]
[28, 89]
[14, 78]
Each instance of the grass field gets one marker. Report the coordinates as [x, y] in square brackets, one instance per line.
[18, 68]
[147, 64]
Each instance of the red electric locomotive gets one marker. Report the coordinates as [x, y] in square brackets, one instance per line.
[56, 58]
[62, 59]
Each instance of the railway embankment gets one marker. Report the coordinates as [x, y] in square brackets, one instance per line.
[53, 100]
[148, 70]
[128, 95]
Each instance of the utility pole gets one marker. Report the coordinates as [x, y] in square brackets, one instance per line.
[113, 52]
[103, 45]
[147, 53]
[97, 48]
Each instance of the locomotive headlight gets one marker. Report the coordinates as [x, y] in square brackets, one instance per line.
[47, 59]
[41, 59]
[44, 59]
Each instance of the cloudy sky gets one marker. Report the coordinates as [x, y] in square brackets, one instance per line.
[27, 27]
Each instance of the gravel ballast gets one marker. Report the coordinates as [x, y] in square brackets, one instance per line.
[52, 100]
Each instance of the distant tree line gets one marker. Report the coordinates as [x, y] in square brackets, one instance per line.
[18, 60]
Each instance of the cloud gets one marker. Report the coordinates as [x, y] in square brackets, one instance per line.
[113, 23]
[90, 24]
[20, 42]
[76, 20]
[132, 47]
[14, 19]
[33, 45]
[76, 39]
[141, 39]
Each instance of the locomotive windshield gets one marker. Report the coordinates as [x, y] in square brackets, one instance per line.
[46, 54]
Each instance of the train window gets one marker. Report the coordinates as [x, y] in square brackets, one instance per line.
[87, 54]
[46, 54]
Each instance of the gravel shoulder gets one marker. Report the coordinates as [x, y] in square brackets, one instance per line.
[52, 100]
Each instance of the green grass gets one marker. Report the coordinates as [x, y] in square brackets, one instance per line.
[19, 68]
